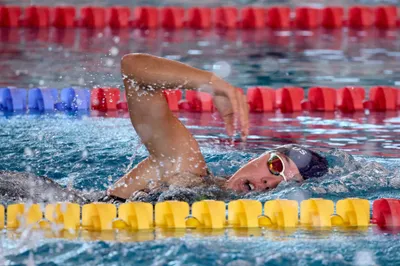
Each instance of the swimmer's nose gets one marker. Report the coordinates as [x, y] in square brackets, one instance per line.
[266, 183]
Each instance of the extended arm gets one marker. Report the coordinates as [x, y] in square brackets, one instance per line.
[172, 149]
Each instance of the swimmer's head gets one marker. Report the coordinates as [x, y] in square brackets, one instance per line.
[289, 162]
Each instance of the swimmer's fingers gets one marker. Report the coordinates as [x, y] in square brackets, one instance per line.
[242, 117]
[232, 106]
[243, 114]
[233, 97]
[235, 111]
[224, 107]
[229, 124]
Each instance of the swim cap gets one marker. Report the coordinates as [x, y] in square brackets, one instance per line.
[309, 163]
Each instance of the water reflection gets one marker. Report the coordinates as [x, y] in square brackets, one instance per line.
[267, 57]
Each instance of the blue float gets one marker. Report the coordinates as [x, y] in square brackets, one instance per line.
[74, 99]
[42, 99]
[13, 99]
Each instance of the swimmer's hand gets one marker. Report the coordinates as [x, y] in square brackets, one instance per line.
[232, 105]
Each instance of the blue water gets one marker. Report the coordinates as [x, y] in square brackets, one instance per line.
[273, 248]
[90, 152]
[87, 152]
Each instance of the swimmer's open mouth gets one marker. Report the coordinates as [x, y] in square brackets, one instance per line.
[248, 186]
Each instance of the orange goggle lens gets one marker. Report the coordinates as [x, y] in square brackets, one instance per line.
[275, 165]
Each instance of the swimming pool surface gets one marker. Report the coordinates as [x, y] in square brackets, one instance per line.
[87, 151]
[90, 152]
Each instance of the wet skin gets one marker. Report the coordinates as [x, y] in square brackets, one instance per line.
[255, 175]
[175, 157]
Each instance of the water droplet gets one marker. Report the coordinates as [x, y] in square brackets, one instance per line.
[116, 39]
[28, 152]
[109, 62]
[222, 69]
[114, 51]
[85, 155]
[81, 81]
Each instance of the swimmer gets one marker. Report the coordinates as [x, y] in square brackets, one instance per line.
[175, 158]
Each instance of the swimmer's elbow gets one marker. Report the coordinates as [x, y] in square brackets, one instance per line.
[132, 64]
[130, 60]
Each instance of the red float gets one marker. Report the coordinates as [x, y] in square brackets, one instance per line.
[320, 99]
[199, 18]
[350, 99]
[360, 17]
[386, 213]
[197, 102]
[104, 99]
[64, 17]
[146, 17]
[93, 17]
[172, 17]
[9, 16]
[261, 99]
[122, 106]
[288, 99]
[307, 18]
[253, 18]
[386, 17]
[278, 17]
[332, 17]
[37, 17]
[226, 17]
[119, 17]
[173, 98]
[382, 98]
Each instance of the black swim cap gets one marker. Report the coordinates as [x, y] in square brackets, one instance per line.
[309, 163]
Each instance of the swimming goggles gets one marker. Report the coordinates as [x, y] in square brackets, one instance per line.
[276, 166]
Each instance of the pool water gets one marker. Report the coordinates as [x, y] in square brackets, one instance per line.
[87, 151]
[88, 58]
[90, 152]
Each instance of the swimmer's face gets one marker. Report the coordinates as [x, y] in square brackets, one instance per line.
[256, 176]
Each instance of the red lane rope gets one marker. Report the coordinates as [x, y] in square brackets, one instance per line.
[175, 17]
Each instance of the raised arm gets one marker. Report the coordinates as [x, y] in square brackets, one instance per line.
[172, 149]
